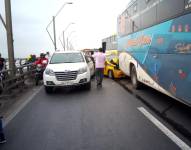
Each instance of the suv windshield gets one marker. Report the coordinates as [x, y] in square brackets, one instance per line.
[66, 58]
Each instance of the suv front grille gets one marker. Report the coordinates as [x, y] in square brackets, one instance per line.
[65, 76]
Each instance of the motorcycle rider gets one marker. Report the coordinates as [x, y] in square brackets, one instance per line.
[41, 64]
[2, 63]
[41, 60]
[2, 67]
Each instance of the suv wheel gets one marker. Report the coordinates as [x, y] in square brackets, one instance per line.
[88, 86]
[48, 90]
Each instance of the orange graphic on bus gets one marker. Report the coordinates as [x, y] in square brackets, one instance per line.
[143, 40]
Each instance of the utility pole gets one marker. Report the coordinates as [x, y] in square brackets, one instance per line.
[9, 36]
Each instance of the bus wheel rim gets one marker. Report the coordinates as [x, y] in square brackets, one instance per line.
[134, 79]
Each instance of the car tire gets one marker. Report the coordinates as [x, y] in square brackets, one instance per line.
[134, 81]
[48, 90]
[110, 74]
[36, 82]
[93, 76]
[88, 86]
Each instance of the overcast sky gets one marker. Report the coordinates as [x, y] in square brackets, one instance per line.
[94, 20]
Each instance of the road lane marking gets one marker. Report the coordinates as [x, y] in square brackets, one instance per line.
[164, 129]
[12, 115]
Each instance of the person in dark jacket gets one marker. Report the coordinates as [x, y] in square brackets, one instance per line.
[2, 63]
[2, 136]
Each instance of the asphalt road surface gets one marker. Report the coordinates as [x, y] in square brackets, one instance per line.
[108, 118]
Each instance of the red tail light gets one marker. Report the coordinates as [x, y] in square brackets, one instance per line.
[187, 28]
[173, 28]
[179, 28]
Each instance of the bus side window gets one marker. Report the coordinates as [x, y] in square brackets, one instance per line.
[169, 9]
[147, 11]
[187, 5]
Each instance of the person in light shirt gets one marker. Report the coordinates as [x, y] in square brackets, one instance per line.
[99, 65]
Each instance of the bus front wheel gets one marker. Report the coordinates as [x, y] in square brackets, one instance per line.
[134, 81]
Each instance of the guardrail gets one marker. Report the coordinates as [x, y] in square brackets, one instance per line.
[18, 62]
[22, 73]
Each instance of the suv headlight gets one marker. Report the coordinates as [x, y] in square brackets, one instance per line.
[49, 72]
[82, 70]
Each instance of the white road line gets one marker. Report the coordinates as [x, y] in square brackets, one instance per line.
[164, 129]
[10, 117]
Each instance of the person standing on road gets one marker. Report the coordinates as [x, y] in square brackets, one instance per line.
[2, 136]
[2, 63]
[99, 65]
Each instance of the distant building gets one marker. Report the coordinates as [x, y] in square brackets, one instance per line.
[111, 42]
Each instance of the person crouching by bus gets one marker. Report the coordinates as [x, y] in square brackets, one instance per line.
[2, 136]
[99, 65]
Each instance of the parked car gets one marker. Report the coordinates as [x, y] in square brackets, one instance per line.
[111, 69]
[66, 69]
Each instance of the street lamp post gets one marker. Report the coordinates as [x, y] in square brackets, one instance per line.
[64, 34]
[68, 38]
[54, 31]
[54, 25]
[70, 42]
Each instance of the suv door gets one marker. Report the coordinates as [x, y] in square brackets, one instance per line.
[90, 65]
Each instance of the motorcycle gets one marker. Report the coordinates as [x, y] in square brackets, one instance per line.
[39, 72]
[1, 81]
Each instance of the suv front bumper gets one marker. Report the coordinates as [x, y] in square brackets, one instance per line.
[81, 79]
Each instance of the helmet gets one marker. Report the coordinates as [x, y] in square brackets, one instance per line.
[42, 55]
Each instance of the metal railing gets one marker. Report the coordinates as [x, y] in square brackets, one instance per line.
[18, 62]
[22, 73]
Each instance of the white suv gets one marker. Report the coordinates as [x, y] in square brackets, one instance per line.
[67, 68]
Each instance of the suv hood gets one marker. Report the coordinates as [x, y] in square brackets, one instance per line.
[66, 66]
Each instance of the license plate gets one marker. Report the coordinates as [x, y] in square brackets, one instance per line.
[67, 83]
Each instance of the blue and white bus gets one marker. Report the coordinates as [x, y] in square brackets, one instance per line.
[154, 40]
